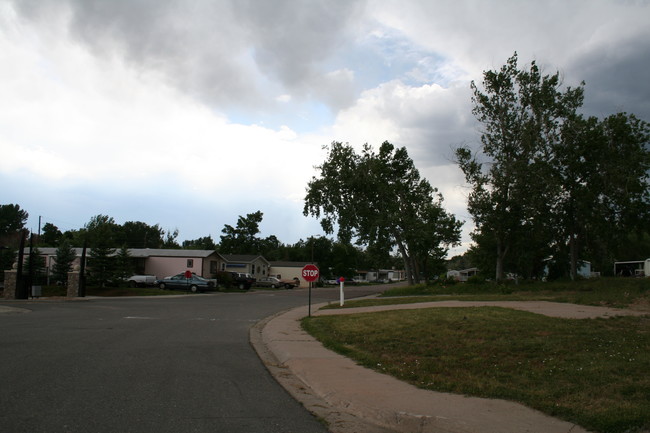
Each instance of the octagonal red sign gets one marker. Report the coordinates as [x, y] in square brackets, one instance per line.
[310, 273]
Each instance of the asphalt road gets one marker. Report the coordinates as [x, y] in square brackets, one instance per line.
[179, 364]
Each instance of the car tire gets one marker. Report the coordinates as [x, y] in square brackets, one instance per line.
[194, 288]
[133, 284]
[162, 286]
[242, 286]
[287, 286]
[273, 286]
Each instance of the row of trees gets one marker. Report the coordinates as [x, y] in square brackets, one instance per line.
[549, 186]
[108, 243]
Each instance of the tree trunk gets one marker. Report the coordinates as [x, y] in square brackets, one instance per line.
[407, 261]
[501, 255]
[573, 252]
[416, 270]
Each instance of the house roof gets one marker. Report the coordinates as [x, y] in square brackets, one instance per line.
[242, 258]
[48, 251]
[152, 252]
[281, 264]
[140, 252]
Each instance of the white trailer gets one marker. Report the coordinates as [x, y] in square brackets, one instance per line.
[632, 268]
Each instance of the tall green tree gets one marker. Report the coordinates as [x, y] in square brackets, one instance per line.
[35, 267]
[379, 199]
[124, 265]
[170, 240]
[12, 222]
[101, 265]
[513, 187]
[242, 239]
[103, 231]
[203, 243]
[137, 234]
[101, 234]
[12, 219]
[602, 167]
[50, 236]
[65, 256]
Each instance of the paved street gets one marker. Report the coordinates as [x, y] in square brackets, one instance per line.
[180, 364]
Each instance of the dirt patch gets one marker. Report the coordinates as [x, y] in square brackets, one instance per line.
[641, 304]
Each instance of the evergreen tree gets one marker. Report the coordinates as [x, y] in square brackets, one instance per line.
[124, 266]
[65, 256]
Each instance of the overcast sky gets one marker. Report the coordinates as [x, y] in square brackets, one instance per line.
[188, 114]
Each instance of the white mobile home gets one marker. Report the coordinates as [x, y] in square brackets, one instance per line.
[633, 268]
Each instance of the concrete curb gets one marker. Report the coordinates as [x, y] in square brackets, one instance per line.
[336, 419]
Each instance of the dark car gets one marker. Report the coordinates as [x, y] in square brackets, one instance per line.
[194, 284]
[242, 281]
[271, 282]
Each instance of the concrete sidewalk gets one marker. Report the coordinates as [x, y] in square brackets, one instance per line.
[351, 398]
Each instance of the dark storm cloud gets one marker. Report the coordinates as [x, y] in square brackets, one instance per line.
[225, 52]
[293, 39]
[616, 79]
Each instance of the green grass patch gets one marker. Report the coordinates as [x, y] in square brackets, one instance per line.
[610, 292]
[591, 372]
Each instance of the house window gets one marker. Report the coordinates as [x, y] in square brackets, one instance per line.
[190, 263]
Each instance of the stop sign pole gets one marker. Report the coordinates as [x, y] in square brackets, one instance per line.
[310, 273]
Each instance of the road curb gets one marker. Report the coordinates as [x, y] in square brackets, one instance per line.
[336, 420]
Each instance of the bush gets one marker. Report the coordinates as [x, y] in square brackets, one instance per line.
[476, 280]
[224, 279]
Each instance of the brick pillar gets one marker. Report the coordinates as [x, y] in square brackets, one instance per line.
[73, 284]
[10, 284]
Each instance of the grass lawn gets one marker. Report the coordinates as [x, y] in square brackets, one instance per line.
[610, 292]
[594, 372]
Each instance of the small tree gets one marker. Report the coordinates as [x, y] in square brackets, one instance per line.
[123, 265]
[35, 266]
[65, 256]
[101, 263]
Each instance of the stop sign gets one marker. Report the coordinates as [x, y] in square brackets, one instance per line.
[310, 273]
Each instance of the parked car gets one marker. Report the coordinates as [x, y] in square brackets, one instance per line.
[241, 280]
[290, 284]
[141, 280]
[194, 284]
[271, 282]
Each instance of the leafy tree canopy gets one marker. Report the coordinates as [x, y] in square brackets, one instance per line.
[547, 182]
[379, 199]
[12, 219]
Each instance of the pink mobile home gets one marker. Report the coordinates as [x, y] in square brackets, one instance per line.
[161, 263]
[164, 263]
